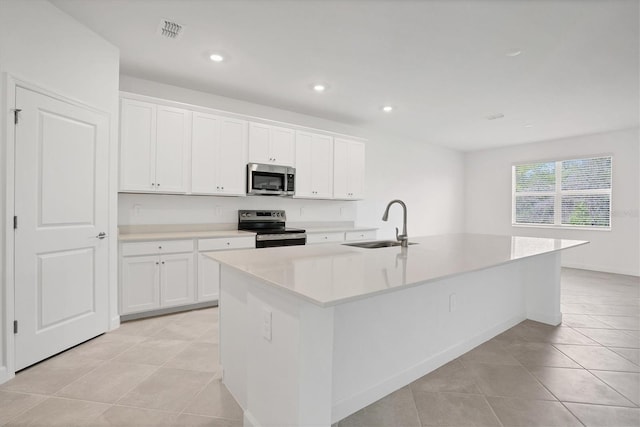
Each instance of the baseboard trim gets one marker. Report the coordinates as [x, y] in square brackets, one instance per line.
[354, 403]
[549, 319]
[168, 310]
[4, 375]
[602, 269]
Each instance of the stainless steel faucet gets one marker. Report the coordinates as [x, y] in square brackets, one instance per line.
[402, 238]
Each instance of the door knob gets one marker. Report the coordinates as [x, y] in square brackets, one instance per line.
[101, 235]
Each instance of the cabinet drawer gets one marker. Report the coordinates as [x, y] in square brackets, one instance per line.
[324, 237]
[350, 236]
[226, 243]
[157, 247]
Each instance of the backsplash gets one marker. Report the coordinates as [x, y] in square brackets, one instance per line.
[136, 209]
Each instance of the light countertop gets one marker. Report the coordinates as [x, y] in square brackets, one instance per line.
[132, 233]
[172, 235]
[330, 274]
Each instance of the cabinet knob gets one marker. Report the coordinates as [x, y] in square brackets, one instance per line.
[153, 184]
[157, 185]
[163, 262]
[159, 247]
[228, 243]
[157, 263]
[222, 188]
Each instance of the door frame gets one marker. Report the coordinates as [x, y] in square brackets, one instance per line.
[10, 84]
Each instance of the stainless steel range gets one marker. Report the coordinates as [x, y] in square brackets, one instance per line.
[270, 228]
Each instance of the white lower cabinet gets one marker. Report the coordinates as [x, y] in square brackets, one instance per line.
[351, 236]
[209, 270]
[177, 284]
[330, 237]
[171, 273]
[208, 278]
[340, 236]
[154, 278]
[140, 284]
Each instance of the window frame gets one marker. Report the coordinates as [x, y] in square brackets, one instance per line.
[558, 193]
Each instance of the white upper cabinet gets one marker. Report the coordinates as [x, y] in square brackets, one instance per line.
[154, 147]
[314, 165]
[219, 155]
[348, 169]
[271, 144]
[137, 146]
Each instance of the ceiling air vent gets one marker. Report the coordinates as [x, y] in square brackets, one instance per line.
[170, 29]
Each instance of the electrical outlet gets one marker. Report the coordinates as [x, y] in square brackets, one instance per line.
[266, 323]
[136, 209]
[218, 210]
[301, 211]
[452, 303]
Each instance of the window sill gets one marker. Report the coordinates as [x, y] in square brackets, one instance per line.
[562, 227]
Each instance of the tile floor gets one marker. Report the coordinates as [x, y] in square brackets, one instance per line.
[164, 372]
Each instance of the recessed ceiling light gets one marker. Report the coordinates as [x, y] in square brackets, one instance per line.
[216, 57]
[495, 116]
[387, 108]
[514, 52]
[319, 87]
[528, 125]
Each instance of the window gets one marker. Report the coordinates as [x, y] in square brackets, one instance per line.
[566, 193]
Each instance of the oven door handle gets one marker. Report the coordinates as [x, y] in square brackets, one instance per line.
[290, 236]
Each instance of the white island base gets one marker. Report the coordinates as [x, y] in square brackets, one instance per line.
[292, 360]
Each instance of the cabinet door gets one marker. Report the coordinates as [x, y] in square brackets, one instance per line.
[176, 279]
[356, 157]
[340, 169]
[282, 147]
[205, 137]
[140, 284]
[322, 166]
[232, 157]
[208, 279]
[137, 146]
[172, 150]
[259, 142]
[303, 165]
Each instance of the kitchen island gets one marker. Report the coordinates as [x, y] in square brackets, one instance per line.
[311, 334]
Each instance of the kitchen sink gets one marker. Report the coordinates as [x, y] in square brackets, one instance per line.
[376, 244]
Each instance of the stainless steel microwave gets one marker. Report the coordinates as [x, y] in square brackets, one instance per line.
[270, 180]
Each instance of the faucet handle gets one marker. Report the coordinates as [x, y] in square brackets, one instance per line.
[400, 237]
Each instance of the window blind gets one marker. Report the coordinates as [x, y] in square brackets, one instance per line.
[570, 193]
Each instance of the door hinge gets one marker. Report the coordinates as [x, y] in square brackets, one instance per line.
[15, 326]
[16, 111]
[15, 222]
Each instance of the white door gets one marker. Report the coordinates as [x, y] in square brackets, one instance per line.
[232, 157]
[172, 150]
[61, 204]
[259, 143]
[340, 169]
[322, 166]
[282, 147]
[356, 170]
[137, 146]
[140, 286]
[205, 135]
[304, 165]
[177, 284]
[208, 279]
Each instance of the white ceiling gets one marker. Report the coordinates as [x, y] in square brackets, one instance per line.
[441, 64]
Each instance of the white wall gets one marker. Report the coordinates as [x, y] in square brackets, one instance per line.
[428, 178]
[43, 46]
[488, 197]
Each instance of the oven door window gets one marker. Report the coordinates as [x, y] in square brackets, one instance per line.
[268, 181]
